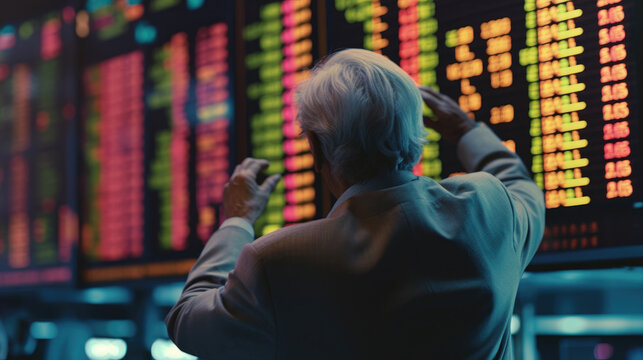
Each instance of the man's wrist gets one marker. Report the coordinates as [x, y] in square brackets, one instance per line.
[476, 145]
[241, 222]
[468, 126]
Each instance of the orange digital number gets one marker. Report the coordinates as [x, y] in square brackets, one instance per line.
[550, 144]
[618, 169]
[604, 55]
[616, 72]
[603, 18]
[545, 34]
[618, 52]
[614, 53]
[555, 198]
[614, 92]
[498, 45]
[624, 188]
[549, 88]
[543, 17]
[616, 14]
[501, 79]
[611, 15]
[601, 3]
[553, 161]
[551, 124]
[606, 94]
[611, 190]
[614, 34]
[547, 107]
[502, 114]
[499, 62]
[621, 188]
[616, 111]
[554, 180]
[495, 28]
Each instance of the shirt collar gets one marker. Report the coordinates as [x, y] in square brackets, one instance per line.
[379, 182]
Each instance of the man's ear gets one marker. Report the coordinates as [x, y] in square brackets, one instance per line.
[316, 150]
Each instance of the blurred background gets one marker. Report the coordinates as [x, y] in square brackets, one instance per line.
[120, 122]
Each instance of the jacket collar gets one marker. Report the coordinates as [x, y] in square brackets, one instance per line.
[376, 183]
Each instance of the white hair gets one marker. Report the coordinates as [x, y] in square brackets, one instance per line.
[366, 112]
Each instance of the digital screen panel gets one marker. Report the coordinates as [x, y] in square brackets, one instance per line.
[38, 150]
[158, 134]
[557, 80]
[280, 43]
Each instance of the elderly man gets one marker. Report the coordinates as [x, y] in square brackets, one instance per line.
[403, 267]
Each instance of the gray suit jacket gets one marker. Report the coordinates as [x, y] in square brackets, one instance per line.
[404, 268]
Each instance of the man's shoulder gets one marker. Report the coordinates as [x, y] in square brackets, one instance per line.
[474, 179]
[471, 198]
[475, 185]
[290, 236]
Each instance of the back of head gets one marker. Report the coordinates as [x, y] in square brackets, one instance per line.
[366, 112]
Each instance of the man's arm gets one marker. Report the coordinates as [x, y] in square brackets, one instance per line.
[479, 149]
[225, 318]
[225, 311]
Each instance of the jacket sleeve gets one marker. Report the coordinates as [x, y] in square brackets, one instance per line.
[481, 150]
[221, 317]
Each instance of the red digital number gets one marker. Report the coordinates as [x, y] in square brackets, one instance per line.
[617, 150]
[617, 130]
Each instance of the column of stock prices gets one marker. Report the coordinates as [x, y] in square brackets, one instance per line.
[555, 79]
[279, 44]
[38, 210]
[158, 126]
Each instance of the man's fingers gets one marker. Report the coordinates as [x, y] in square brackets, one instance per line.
[432, 100]
[429, 90]
[429, 122]
[433, 124]
[252, 167]
[270, 183]
[237, 170]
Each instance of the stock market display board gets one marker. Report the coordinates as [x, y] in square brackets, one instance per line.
[158, 128]
[174, 92]
[38, 210]
[557, 80]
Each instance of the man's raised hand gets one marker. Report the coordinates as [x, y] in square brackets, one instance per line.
[242, 196]
[450, 120]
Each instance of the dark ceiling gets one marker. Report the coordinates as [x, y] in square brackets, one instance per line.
[18, 10]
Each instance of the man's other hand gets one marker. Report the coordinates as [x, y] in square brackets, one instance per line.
[242, 196]
[450, 120]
